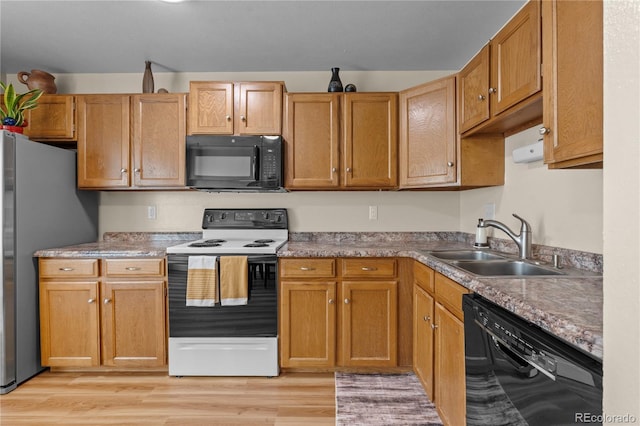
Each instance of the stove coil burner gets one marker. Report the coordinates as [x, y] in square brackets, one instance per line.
[256, 244]
[267, 241]
[208, 243]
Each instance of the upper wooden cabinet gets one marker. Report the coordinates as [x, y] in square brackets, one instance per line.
[242, 108]
[428, 134]
[53, 120]
[573, 89]
[432, 155]
[341, 141]
[131, 141]
[497, 87]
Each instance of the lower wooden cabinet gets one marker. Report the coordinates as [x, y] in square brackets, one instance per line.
[108, 312]
[338, 312]
[438, 344]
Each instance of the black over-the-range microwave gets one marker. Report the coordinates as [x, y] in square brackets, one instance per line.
[234, 163]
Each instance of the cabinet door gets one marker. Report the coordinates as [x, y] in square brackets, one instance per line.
[428, 134]
[312, 134]
[423, 338]
[133, 323]
[516, 59]
[158, 135]
[259, 108]
[573, 93]
[210, 108]
[449, 367]
[54, 119]
[69, 318]
[473, 82]
[369, 323]
[103, 141]
[370, 140]
[307, 324]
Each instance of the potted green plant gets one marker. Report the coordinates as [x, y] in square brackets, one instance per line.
[12, 110]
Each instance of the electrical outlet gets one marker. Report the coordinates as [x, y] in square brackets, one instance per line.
[151, 212]
[373, 212]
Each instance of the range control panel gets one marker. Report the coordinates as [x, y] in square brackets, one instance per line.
[245, 219]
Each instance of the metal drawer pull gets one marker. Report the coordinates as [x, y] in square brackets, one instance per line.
[346, 301]
[369, 268]
[427, 318]
[307, 268]
[91, 300]
[132, 268]
[106, 301]
[331, 301]
[434, 326]
[66, 269]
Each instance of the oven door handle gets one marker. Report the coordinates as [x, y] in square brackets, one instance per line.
[511, 354]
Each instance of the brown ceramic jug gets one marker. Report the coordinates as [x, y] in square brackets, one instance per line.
[38, 79]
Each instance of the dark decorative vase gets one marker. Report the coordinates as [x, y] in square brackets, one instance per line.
[147, 80]
[335, 85]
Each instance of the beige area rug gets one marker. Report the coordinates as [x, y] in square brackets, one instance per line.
[382, 399]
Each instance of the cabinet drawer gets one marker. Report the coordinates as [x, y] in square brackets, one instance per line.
[69, 268]
[298, 268]
[423, 276]
[377, 267]
[449, 293]
[133, 267]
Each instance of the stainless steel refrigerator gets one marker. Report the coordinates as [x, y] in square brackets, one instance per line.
[40, 208]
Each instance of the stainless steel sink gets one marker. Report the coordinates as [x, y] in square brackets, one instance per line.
[504, 268]
[465, 255]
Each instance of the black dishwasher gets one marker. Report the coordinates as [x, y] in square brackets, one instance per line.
[518, 374]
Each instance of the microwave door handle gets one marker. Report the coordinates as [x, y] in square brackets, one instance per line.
[256, 168]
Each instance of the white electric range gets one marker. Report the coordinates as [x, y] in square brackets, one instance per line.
[228, 340]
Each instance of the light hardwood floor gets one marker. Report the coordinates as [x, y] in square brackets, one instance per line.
[157, 399]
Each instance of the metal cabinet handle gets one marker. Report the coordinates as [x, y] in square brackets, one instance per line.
[333, 169]
[331, 301]
[132, 268]
[369, 268]
[346, 301]
[426, 318]
[66, 269]
[450, 163]
[106, 301]
[481, 97]
[544, 131]
[123, 170]
[307, 268]
[493, 90]
[91, 300]
[228, 118]
[243, 118]
[136, 170]
[348, 169]
[434, 326]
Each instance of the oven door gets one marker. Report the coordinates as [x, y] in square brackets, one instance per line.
[258, 318]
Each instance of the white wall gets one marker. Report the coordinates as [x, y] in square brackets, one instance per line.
[564, 207]
[622, 209]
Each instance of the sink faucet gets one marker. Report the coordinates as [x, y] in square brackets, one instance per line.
[523, 241]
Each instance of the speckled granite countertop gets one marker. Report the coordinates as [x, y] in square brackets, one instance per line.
[568, 306]
[123, 244]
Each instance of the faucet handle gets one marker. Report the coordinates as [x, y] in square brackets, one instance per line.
[525, 226]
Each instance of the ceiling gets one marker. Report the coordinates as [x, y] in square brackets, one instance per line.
[221, 36]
